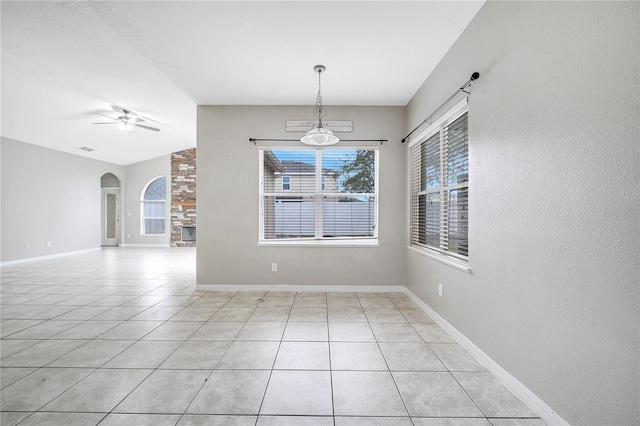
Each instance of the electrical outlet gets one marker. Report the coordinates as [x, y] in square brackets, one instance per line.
[26, 246]
[440, 286]
[48, 243]
[128, 235]
[274, 267]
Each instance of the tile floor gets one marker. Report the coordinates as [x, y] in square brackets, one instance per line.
[121, 337]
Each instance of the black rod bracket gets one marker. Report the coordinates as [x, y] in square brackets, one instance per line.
[467, 84]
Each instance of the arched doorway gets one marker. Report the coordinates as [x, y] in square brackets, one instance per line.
[110, 228]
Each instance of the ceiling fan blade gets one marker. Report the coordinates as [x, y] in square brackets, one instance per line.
[110, 118]
[113, 122]
[148, 127]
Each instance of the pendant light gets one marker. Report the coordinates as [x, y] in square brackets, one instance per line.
[319, 135]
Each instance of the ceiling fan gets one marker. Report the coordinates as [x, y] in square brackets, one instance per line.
[127, 122]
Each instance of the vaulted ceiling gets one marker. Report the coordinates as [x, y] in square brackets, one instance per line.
[62, 62]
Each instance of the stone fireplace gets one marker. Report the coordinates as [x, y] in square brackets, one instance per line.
[183, 198]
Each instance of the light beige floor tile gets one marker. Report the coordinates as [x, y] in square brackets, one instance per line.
[298, 392]
[232, 314]
[10, 347]
[433, 333]
[294, 421]
[411, 357]
[87, 330]
[92, 354]
[276, 302]
[356, 356]
[384, 315]
[308, 314]
[373, 421]
[340, 294]
[434, 395]
[140, 420]
[517, 422]
[195, 354]
[194, 314]
[377, 303]
[455, 357]
[44, 330]
[130, 330]
[164, 392]
[144, 354]
[262, 331]
[8, 327]
[242, 302]
[41, 353]
[394, 332]
[8, 418]
[216, 420]
[366, 393]
[310, 302]
[121, 313]
[37, 389]
[456, 421]
[178, 301]
[9, 375]
[350, 332]
[66, 419]
[220, 331]
[416, 316]
[303, 356]
[249, 356]
[157, 313]
[270, 314]
[306, 331]
[99, 392]
[281, 294]
[343, 302]
[493, 398]
[231, 392]
[346, 315]
[174, 330]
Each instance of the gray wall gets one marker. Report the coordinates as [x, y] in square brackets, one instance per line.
[51, 196]
[228, 201]
[554, 169]
[137, 176]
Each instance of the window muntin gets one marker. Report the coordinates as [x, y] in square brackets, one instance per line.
[152, 207]
[322, 202]
[439, 175]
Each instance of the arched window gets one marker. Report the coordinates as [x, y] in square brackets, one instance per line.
[152, 207]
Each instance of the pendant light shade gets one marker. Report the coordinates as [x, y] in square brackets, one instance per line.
[319, 135]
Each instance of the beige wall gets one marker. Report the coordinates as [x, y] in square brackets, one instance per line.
[49, 196]
[554, 201]
[228, 201]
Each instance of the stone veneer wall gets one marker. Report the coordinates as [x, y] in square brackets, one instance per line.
[183, 195]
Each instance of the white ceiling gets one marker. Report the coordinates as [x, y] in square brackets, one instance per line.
[64, 61]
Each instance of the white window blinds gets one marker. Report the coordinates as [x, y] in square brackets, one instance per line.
[439, 179]
[318, 194]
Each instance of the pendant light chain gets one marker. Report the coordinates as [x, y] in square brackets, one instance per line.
[319, 110]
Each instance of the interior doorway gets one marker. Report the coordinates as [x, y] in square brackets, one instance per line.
[110, 228]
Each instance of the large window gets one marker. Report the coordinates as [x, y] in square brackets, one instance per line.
[318, 195]
[439, 175]
[152, 207]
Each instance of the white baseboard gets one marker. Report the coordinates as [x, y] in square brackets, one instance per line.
[145, 245]
[303, 288]
[532, 401]
[49, 256]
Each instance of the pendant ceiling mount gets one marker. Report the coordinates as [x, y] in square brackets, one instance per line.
[319, 135]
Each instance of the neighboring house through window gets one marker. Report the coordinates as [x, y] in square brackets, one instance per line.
[439, 178]
[152, 207]
[318, 195]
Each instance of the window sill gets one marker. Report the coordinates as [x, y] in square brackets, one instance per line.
[321, 243]
[153, 235]
[447, 260]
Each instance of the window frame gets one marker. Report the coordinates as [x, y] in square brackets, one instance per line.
[453, 259]
[320, 183]
[143, 217]
[287, 183]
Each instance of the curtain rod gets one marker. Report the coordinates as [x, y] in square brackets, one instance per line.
[254, 140]
[473, 77]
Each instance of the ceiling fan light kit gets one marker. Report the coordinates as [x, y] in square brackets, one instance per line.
[319, 135]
